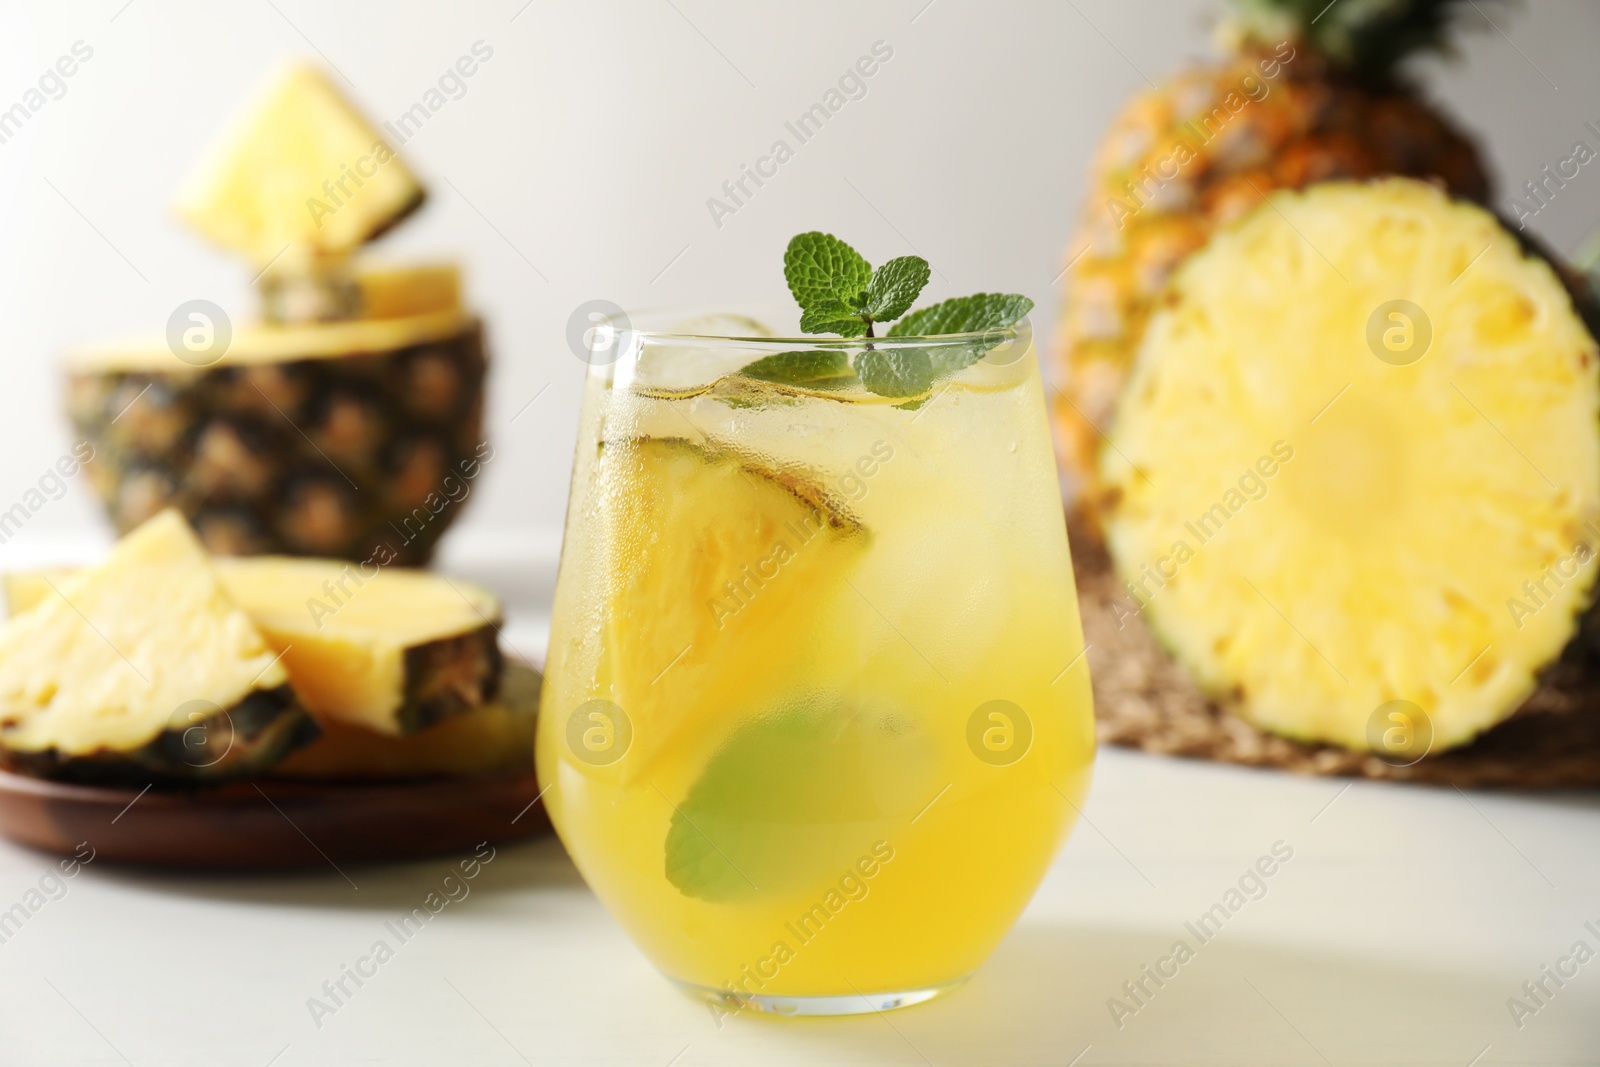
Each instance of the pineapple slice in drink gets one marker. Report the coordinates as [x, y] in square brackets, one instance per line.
[1359, 461]
[715, 570]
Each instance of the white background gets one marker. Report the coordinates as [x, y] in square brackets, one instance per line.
[588, 146]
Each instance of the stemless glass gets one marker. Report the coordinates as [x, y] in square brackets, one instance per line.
[816, 717]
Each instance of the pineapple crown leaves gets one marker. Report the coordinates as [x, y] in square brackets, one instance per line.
[839, 292]
[1367, 37]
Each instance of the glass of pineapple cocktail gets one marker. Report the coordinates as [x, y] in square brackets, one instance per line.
[816, 717]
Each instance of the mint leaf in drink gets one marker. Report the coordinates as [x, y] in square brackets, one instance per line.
[793, 799]
[894, 287]
[811, 370]
[965, 314]
[749, 824]
[830, 316]
[818, 267]
[895, 372]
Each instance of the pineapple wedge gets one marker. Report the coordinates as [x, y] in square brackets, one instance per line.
[300, 169]
[1359, 461]
[143, 668]
[660, 614]
[496, 738]
[390, 652]
[393, 652]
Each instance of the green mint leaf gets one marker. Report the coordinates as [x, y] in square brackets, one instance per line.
[947, 359]
[819, 266]
[894, 287]
[816, 369]
[840, 293]
[791, 800]
[895, 372]
[830, 316]
[752, 822]
[852, 297]
[965, 314]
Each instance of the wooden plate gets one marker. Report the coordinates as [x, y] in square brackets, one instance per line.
[271, 823]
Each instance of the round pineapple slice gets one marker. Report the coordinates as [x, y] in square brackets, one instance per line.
[1359, 462]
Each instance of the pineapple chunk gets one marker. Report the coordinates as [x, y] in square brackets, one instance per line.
[143, 667]
[299, 168]
[25, 590]
[397, 292]
[1321, 507]
[341, 291]
[493, 739]
[702, 600]
[392, 652]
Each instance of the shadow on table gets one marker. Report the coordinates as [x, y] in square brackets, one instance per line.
[525, 868]
[1235, 1002]
[1577, 801]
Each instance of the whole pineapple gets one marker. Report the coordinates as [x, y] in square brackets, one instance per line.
[1309, 92]
[349, 421]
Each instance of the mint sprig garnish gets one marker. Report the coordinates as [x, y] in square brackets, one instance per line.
[840, 293]
[964, 314]
[831, 316]
[895, 286]
[821, 269]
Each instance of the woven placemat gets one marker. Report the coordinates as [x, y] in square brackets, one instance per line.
[1144, 699]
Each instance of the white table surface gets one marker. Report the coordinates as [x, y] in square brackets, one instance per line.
[1405, 920]
[1395, 935]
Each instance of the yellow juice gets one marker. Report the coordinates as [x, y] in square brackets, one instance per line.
[816, 717]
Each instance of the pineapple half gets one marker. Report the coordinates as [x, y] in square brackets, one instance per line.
[358, 440]
[143, 668]
[1308, 91]
[1324, 499]
[388, 651]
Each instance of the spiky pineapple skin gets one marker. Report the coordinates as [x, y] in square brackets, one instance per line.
[334, 454]
[1424, 531]
[1292, 119]
[250, 737]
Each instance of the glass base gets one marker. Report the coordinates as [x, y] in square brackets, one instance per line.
[725, 1003]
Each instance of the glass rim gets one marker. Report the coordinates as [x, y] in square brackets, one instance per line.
[622, 324]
